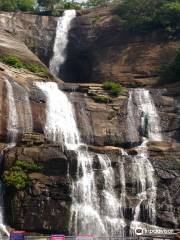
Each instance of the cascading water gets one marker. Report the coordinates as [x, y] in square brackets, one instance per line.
[18, 122]
[86, 213]
[112, 206]
[61, 41]
[143, 172]
[2, 226]
[86, 207]
[13, 123]
[94, 211]
[60, 123]
[150, 122]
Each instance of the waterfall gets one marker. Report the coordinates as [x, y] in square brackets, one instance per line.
[18, 121]
[61, 127]
[88, 216]
[112, 206]
[60, 124]
[94, 210]
[85, 206]
[2, 226]
[143, 173]
[13, 124]
[150, 122]
[61, 41]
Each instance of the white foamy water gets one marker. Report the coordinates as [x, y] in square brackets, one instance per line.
[85, 217]
[88, 214]
[93, 212]
[61, 127]
[3, 228]
[149, 117]
[61, 41]
[60, 123]
[143, 175]
[13, 121]
[112, 206]
[18, 121]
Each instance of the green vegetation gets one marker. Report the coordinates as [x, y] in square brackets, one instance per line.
[48, 4]
[149, 15]
[28, 166]
[15, 5]
[36, 68]
[102, 99]
[171, 73]
[12, 61]
[17, 176]
[71, 5]
[56, 6]
[113, 88]
[95, 3]
[15, 62]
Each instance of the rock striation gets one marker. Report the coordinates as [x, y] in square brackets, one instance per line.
[98, 50]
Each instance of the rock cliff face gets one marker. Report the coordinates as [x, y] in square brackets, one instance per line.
[103, 127]
[37, 32]
[101, 49]
[97, 51]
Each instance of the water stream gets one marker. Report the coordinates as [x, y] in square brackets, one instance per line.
[94, 211]
[143, 172]
[18, 122]
[61, 41]
[13, 121]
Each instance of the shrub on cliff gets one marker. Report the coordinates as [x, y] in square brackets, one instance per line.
[17, 176]
[36, 68]
[171, 73]
[15, 62]
[148, 15]
[12, 61]
[102, 99]
[113, 88]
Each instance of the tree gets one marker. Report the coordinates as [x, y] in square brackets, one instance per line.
[14, 5]
[8, 5]
[25, 5]
[95, 3]
[48, 4]
[147, 15]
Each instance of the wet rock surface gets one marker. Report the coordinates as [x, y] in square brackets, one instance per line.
[44, 205]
